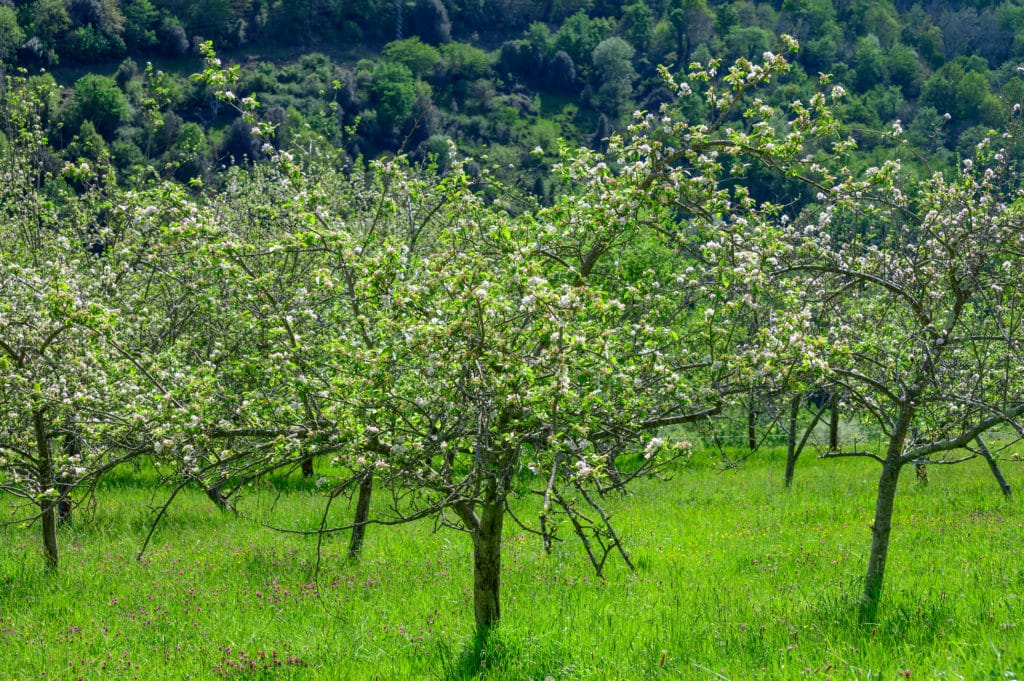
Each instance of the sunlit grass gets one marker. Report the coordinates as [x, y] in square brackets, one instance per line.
[737, 579]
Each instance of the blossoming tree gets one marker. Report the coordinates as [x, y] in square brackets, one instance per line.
[66, 389]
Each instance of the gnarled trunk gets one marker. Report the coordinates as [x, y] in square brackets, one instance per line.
[307, 467]
[485, 530]
[487, 567]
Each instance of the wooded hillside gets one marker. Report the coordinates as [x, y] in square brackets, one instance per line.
[499, 78]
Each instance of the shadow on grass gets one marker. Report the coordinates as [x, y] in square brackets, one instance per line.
[490, 653]
[471, 661]
[500, 654]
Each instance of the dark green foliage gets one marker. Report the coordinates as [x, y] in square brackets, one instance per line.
[613, 76]
[98, 99]
[429, 20]
[393, 92]
[465, 69]
[88, 144]
[578, 37]
[141, 22]
[172, 38]
[419, 57]
[11, 34]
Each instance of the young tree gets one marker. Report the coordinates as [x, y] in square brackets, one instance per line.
[67, 393]
[913, 310]
[520, 342]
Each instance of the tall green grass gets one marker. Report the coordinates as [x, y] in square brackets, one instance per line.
[737, 579]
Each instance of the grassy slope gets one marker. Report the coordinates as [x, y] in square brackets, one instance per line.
[738, 580]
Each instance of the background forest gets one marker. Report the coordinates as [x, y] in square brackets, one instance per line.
[499, 78]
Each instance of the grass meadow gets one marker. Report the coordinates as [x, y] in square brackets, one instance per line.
[737, 579]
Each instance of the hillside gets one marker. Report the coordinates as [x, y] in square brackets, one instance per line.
[499, 78]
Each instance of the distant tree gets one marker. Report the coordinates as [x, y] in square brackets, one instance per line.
[98, 99]
[638, 20]
[420, 58]
[240, 145]
[561, 73]
[173, 40]
[928, 130]
[868, 64]
[877, 19]
[393, 91]
[472, 15]
[465, 62]
[749, 42]
[819, 54]
[429, 20]
[808, 19]
[11, 34]
[578, 36]
[692, 23]
[511, 59]
[962, 92]
[903, 69]
[49, 18]
[539, 43]
[613, 76]
[140, 24]
[88, 145]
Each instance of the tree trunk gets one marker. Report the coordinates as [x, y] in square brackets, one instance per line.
[355, 544]
[792, 450]
[994, 467]
[880, 540]
[486, 533]
[884, 504]
[752, 428]
[833, 423]
[307, 467]
[71, 451]
[48, 505]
